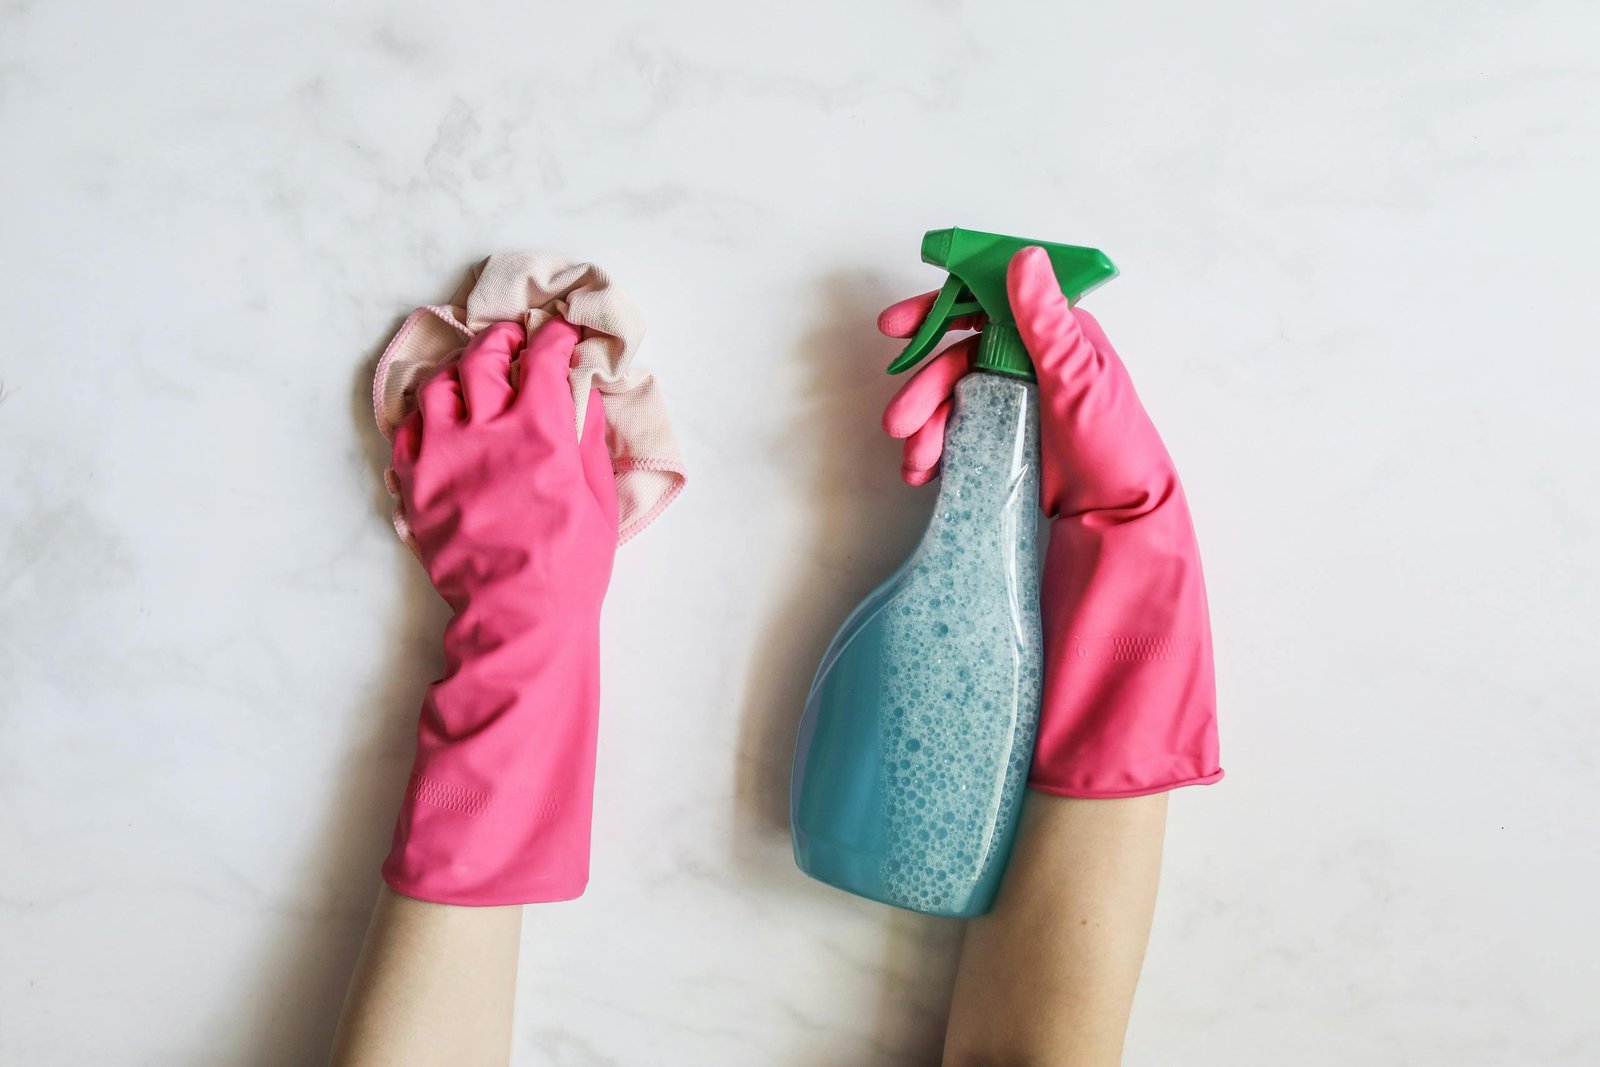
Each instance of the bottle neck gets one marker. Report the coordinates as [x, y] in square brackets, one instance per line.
[1001, 351]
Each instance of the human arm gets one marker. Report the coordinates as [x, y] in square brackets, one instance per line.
[1048, 976]
[435, 984]
[1128, 710]
[515, 522]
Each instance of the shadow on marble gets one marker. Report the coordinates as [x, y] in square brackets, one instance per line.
[301, 987]
[864, 522]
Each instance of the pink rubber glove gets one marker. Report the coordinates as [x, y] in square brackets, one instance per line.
[1129, 702]
[516, 523]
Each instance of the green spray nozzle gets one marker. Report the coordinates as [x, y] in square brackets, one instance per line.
[977, 264]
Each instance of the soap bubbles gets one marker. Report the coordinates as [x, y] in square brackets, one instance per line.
[962, 676]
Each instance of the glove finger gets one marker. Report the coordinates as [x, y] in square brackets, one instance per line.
[1044, 318]
[904, 318]
[407, 444]
[915, 478]
[1107, 454]
[486, 370]
[544, 395]
[440, 399]
[597, 470]
[931, 386]
[923, 448]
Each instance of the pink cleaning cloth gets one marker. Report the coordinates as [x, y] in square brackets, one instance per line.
[530, 288]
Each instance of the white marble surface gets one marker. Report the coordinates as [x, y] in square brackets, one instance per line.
[1359, 251]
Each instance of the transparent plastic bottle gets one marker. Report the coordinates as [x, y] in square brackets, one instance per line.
[918, 729]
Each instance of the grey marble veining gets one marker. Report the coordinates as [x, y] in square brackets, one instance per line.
[1359, 266]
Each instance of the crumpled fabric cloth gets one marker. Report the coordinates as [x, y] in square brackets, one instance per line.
[530, 287]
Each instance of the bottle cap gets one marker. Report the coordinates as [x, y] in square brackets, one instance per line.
[977, 263]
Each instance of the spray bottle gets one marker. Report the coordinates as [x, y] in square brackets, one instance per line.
[918, 730]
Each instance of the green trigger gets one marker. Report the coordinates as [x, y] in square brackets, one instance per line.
[978, 264]
[954, 301]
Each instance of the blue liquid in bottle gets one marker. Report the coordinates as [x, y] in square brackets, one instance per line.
[918, 730]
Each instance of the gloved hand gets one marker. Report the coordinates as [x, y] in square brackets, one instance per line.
[516, 523]
[1129, 703]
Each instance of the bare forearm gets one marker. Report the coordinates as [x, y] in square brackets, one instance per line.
[435, 984]
[1047, 978]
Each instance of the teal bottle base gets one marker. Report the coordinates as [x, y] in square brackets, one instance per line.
[861, 874]
[914, 746]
